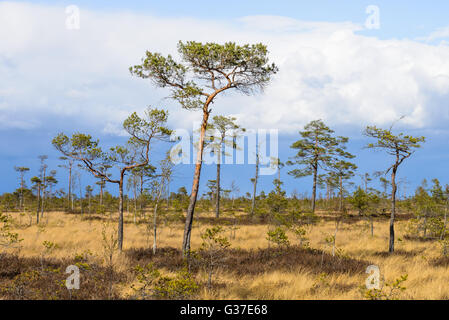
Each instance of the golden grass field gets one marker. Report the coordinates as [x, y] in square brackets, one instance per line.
[73, 235]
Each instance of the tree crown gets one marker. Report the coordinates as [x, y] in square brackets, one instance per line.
[82, 147]
[401, 146]
[317, 148]
[206, 70]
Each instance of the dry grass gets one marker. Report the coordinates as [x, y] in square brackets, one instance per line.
[252, 271]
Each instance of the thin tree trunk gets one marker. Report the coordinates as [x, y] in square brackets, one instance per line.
[155, 217]
[135, 199]
[38, 203]
[337, 223]
[43, 202]
[43, 193]
[341, 194]
[168, 193]
[393, 208]
[70, 185]
[196, 182]
[217, 195]
[253, 204]
[81, 196]
[21, 192]
[101, 192]
[120, 218]
[141, 197]
[315, 173]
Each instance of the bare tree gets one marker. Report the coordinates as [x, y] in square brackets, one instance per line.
[89, 190]
[21, 171]
[37, 184]
[68, 166]
[43, 170]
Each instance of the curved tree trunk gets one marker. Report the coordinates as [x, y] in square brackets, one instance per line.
[195, 184]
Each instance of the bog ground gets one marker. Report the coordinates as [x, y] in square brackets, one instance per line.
[251, 268]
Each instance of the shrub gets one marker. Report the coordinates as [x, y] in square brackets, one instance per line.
[394, 292]
[152, 285]
[214, 243]
[279, 237]
[7, 238]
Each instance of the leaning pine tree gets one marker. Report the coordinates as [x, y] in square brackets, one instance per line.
[206, 71]
[81, 147]
[400, 147]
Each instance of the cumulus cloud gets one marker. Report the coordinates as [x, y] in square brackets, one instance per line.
[327, 71]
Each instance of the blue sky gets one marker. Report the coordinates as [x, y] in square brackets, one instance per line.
[332, 67]
[400, 18]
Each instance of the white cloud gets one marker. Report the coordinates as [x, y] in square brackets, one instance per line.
[437, 34]
[327, 70]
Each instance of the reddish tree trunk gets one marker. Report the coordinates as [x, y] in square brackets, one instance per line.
[195, 184]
